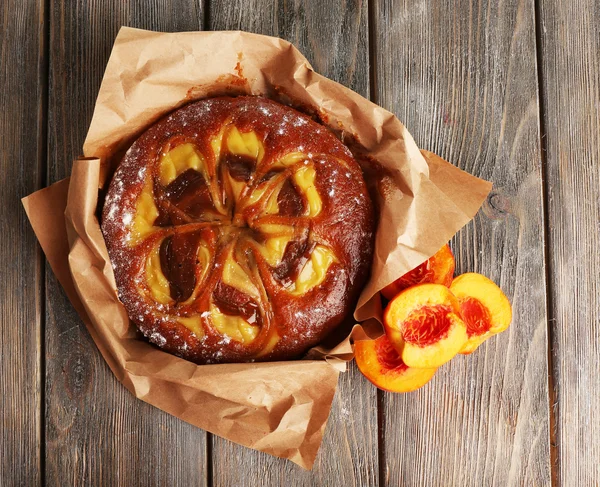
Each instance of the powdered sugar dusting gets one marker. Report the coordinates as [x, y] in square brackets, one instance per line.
[158, 339]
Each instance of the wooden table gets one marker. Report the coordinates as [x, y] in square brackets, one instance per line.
[509, 91]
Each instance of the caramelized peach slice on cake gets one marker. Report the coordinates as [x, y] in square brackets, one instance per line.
[438, 269]
[379, 362]
[483, 306]
[424, 325]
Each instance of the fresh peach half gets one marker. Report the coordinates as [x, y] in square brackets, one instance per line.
[379, 362]
[438, 269]
[483, 306]
[423, 323]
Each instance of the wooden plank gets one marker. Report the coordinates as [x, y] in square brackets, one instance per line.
[461, 75]
[335, 40]
[23, 55]
[97, 432]
[570, 68]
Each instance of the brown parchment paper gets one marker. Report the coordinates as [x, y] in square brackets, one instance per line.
[280, 408]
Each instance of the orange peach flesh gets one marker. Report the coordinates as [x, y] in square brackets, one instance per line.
[424, 325]
[380, 363]
[438, 269]
[484, 308]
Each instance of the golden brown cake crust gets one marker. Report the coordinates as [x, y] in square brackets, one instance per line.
[238, 229]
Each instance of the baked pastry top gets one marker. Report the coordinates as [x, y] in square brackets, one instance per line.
[238, 230]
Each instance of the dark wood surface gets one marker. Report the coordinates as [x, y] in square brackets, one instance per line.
[509, 91]
[22, 165]
[468, 91]
[570, 67]
[97, 433]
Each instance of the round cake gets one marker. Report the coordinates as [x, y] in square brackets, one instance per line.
[238, 230]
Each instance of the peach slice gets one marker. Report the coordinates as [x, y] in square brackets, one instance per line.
[423, 323]
[483, 306]
[380, 363]
[438, 269]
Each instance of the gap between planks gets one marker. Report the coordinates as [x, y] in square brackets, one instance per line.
[371, 24]
[553, 405]
[42, 182]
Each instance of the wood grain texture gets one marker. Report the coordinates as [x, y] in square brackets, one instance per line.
[570, 66]
[334, 38]
[21, 295]
[97, 432]
[461, 75]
